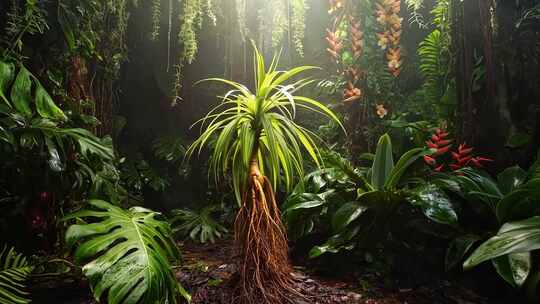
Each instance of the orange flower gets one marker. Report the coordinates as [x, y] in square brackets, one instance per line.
[383, 40]
[387, 12]
[381, 111]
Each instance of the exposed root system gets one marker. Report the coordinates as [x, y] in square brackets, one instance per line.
[264, 270]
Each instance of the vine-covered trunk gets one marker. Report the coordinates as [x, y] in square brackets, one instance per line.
[264, 268]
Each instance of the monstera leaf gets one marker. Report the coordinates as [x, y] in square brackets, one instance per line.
[14, 271]
[127, 253]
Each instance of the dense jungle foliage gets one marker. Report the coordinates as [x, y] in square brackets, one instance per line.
[212, 151]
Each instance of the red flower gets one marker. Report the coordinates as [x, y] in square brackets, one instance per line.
[431, 145]
[462, 157]
[442, 150]
[429, 160]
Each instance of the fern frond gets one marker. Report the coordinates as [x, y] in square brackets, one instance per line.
[14, 272]
[432, 66]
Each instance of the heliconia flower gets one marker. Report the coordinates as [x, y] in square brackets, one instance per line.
[335, 45]
[431, 145]
[464, 161]
[429, 160]
[351, 93]
[462, 149]
[478, 161]
[443, 142]
[443, 150]
[357, 42]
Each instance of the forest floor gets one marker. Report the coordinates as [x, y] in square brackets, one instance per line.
[207, 270]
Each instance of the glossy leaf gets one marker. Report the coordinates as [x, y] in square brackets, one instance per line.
[7, 72]
[55, 161]
[515, 237]
[46, 107]
[383, 163]
[126, 253]
[520, 203]
[514, 268]
[347, 213]
[435, 204]
[511, 178]
[21, 92]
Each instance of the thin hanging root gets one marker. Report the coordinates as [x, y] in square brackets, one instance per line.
[264, 270]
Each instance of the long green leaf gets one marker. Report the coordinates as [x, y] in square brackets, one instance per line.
[383, 163]
[515, 237]
[21, 92]
[7, 72]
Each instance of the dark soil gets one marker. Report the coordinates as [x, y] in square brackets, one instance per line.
[208, 273]
[209, 269]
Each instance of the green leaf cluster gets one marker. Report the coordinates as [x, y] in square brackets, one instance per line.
[261, 124]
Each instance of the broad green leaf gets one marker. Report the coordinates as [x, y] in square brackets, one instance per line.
[55, 161]
[514, 268]
[335, 243]
[21, 92]
[126, 253]
[514, 237]
[383, 163]
[306, 205]
[7, 72]
[435, 204]
[347, 213]
[46, 107]
[511, 178]
[317, 251]
[520, 203]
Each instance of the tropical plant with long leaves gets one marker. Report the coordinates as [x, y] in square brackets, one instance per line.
[14, 272]
[511, 202]
[261, 145]
[360, 204]
[126, 254]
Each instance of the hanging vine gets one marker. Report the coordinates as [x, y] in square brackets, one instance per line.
[298, 24]
[279, 22]
[156, 18]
